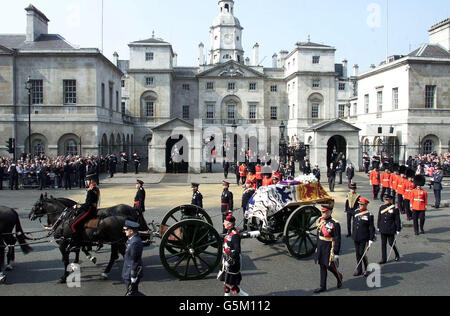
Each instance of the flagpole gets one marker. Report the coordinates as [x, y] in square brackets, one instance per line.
[102, 26]
[387, 30]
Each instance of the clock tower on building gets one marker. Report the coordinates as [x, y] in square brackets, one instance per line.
[226, 35]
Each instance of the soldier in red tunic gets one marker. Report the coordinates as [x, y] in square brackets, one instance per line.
[419, 200]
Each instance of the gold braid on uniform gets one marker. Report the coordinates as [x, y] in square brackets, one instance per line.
[319, 227]
[352, 199]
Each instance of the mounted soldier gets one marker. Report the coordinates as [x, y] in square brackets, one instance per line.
[86, 211]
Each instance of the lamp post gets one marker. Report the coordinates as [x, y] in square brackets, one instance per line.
[29, 87]
[282, 143]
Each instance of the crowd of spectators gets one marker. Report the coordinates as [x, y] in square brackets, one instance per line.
[60, 172]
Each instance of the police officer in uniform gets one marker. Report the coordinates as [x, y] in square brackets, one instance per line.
[86, 211]
[437, 187]
[351, 206]
[226, 201]
[197, 197]
[139, 204]
[363, 234]
[132, 264]
[231, 262]
[328, 248]
[389, 225]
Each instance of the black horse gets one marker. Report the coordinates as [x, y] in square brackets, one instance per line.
[109, 230]
[8, 220]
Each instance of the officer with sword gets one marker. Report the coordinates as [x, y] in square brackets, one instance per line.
[328, 248]
[363, 235]
[389, 225]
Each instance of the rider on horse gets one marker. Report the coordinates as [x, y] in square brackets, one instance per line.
[86, 211]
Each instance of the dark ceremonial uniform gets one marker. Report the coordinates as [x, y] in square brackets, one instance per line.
[351, 206]
[86, 212]
[226, 205]
[197, 199]
[388, 225]
[328, 246]
[139, 206]
[437, 188]
[232, 259]
[246, 196]
[132, 265]
[363, 231]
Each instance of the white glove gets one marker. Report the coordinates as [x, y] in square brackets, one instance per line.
[370, 243]
[75, 207]
[398, 233]
[133, 280]
[336, 257]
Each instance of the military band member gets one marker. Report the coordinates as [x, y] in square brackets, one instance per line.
[328, 248]
[419, 200]
[363, 234]
[226, 201]
[139, 204]
[375, 182]
[351, 205]
[132, 262]
[231, 268]
[197, 197]
[389, 225]
[385, 183]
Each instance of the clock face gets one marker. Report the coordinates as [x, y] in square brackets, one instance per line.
[228, 38]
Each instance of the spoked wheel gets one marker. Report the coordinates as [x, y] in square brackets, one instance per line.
[185, 212]
[191, 249]
[267, 239]
[300, 232]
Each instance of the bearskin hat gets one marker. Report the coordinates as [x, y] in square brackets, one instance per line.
[395, 167]
[410, 173]
[402, 169]
[419, 180]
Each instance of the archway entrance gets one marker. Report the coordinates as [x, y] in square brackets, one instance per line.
[177, 147]
[337, 146]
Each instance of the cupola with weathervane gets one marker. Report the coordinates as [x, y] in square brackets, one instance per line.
[226, 35]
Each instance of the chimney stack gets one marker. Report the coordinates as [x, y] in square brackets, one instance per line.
[37, 23]
[275, 60]
[201, 56]
[256, 55]
[344, 68]
[282, 60]
[247, 61]
[355, 71]
[116, 59]
[175, 59]
[372, 66]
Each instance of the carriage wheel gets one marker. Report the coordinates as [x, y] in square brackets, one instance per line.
[300, 232]
[267, 239]
[191, 249]
[184, 212]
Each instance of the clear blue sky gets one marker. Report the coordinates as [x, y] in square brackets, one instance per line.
[354, 27]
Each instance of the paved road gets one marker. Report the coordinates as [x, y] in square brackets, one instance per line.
[424, 268]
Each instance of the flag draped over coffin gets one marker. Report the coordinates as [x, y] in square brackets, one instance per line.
[269, 200]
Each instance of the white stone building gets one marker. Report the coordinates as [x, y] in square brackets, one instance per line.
[227, 89]
[75, 97]
[403, 106]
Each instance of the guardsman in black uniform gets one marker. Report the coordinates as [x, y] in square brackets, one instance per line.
[139, 204]
[246, 196]
[351, 205]
[137, 162]
[86, 211]
[197, 197]
[132, 261]
[328, 248]
[231, 262]
[389, 225]
[363, 234]
[226, 201]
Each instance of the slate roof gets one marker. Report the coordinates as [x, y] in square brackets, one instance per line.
[150, 41]
[430, 51]
[311, 44]
[43, 42]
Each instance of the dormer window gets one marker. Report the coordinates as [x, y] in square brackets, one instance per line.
[149, 56]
